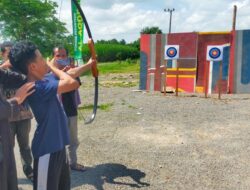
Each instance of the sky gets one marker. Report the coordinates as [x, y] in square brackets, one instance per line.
[124, 19]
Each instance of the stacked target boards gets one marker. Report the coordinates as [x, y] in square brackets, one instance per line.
[195, 72]
[172, 53]
[214, 54]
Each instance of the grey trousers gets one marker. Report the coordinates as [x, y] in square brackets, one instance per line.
[74, 142]
[21, 129]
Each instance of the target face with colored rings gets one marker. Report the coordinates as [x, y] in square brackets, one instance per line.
[215, 53]
[172, 52]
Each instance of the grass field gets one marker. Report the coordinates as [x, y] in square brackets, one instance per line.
[130, 66]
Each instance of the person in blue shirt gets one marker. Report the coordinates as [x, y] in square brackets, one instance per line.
[51, 168]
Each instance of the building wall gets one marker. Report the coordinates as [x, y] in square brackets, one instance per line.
[214, 72]
[187, 62]
[242, 62]
[196, 74]
[152, 51]
[205, 39]
[144, 61]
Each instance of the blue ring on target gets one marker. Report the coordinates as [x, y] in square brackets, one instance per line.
[214, 53]
[171, 52]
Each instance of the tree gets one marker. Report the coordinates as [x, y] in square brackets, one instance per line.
[32, 20]
[122, 42]
[151, 30]
[135, 44]
[112, 41]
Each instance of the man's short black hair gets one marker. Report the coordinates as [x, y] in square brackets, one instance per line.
[21, 55]
[5, 45]
[60, 47]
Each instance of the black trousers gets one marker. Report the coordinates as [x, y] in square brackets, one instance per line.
[51, 172]
[8, 175]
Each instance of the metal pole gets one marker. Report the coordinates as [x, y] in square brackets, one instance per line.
[220, 80]
[170, 18]
[165, 78]
[234, 17]
[170, 21]
[177, 78]
[206, 78]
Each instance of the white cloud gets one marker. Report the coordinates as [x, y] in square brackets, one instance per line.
[124, 19]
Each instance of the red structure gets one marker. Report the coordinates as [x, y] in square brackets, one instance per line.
[204, 40]
[195, 73]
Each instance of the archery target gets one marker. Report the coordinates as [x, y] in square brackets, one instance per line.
[172, 52]
[214, 53]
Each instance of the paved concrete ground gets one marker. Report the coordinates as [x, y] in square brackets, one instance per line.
[148, 141]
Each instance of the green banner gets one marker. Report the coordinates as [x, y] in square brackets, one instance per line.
[78, 32]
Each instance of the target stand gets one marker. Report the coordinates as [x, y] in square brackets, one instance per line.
[172, 53]
[215, 53]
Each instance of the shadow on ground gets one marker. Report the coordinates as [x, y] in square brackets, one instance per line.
[24, 181]
[108, 173]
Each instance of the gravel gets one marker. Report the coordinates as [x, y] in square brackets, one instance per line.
[150, 141]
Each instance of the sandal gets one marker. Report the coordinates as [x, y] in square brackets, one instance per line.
[30, 177]
[78, 167]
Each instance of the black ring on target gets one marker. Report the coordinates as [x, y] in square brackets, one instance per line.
[214, 53]
[171, 52]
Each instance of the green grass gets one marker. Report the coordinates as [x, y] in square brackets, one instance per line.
[119, 67]
[129, 66]
[132, 107]
[119, 84]
[104, 107]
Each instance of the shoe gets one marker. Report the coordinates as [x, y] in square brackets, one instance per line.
[29, 173]
[77, 167]
[30, 177]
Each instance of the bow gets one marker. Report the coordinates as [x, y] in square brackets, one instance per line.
[93, 56]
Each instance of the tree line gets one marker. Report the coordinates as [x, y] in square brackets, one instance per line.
[37, 21]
